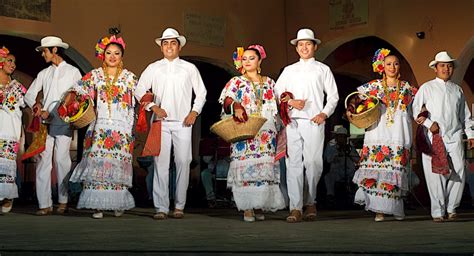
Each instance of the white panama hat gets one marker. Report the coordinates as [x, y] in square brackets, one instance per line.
[51, 41]
[305, 34]
[171, 33]
[441, 57]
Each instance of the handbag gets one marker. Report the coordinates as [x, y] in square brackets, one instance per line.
[153, 141]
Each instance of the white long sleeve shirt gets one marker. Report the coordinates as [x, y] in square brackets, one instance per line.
[309, 80]
[53, 81]
[172, 83]
[447, 106]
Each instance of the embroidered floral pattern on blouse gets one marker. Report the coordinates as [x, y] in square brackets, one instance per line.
[12, 95]
[405, 97]
[9, 149]
[111, 140]
[263, 145]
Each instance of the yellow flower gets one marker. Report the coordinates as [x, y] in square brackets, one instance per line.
[105, 40]
[385, 52]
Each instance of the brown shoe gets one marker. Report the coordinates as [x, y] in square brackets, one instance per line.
[452, 217]
[62, 208]
[178, 214]
[45, 211]
[310, 213]
[160, 216]
[438, 219]
[295, 216]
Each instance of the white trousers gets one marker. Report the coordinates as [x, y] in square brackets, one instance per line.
[446, 191]
[177, 135]
[305, 142]
[57, 146]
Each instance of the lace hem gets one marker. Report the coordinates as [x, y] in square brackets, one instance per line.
[379, 204]
[7, 167]
[106, 200]
[8, 190]
[267, 198]
[91, 170]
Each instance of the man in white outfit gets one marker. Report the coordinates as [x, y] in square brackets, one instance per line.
[53, 81]
[449, 115]
[308, 80]
[172, 81]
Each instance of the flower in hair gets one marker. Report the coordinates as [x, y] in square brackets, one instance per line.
[3, 55]
[260, 50]
[237, 57]
[377, 60]
[102, 44]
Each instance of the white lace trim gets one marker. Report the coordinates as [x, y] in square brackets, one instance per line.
[106, 199]
[379, 204]
[267, 198]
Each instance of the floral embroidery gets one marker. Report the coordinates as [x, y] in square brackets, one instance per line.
[7, 179]
[9, 149]
[104, 186]
[10, 97]
[407, 92]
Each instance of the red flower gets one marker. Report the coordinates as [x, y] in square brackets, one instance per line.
[126, 98]
[389, 187]
[365, 150]
[369, 183]
[132, 145]
[385, 150]
[268, 95]
[87, 76]
[373, 93]
[406, 100]
[379, 157]
[265, 137]
[393, 96]
[88, 143]
[109, 143]
[404, 157]
[115, 91]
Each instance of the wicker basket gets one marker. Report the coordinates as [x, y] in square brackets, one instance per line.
[232, 131]
[367, 118]
[86, 117]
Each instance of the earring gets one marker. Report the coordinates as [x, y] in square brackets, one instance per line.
[244, 71]
[259, 70]
[120, 64]
[104, 65]
[398, 76]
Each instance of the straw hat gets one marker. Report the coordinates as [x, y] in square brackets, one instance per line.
[171, 33]
[305, 34]
[441, 57]
[51, 41]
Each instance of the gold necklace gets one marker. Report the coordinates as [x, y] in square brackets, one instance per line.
[257, 91]
[391, 113]
[109, 87]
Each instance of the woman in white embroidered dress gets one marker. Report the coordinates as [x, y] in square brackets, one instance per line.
[253, 176]
[382, 175]
[11, 102]
[106, 167]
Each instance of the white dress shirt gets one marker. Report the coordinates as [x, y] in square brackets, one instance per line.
[309, 80]
[447, 106]
[53, 81]
[172, 83]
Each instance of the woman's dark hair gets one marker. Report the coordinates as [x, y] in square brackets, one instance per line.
[256, 52]
[118, 45]
[60, 51]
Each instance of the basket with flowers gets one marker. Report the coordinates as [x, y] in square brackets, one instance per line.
[362, 110]
[77, 110]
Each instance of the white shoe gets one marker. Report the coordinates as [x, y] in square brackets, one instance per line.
[260, 217]
[7, 205]
[250, 218]
[118, 213]
[379, 217]
[98, 215]
[399, 218]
